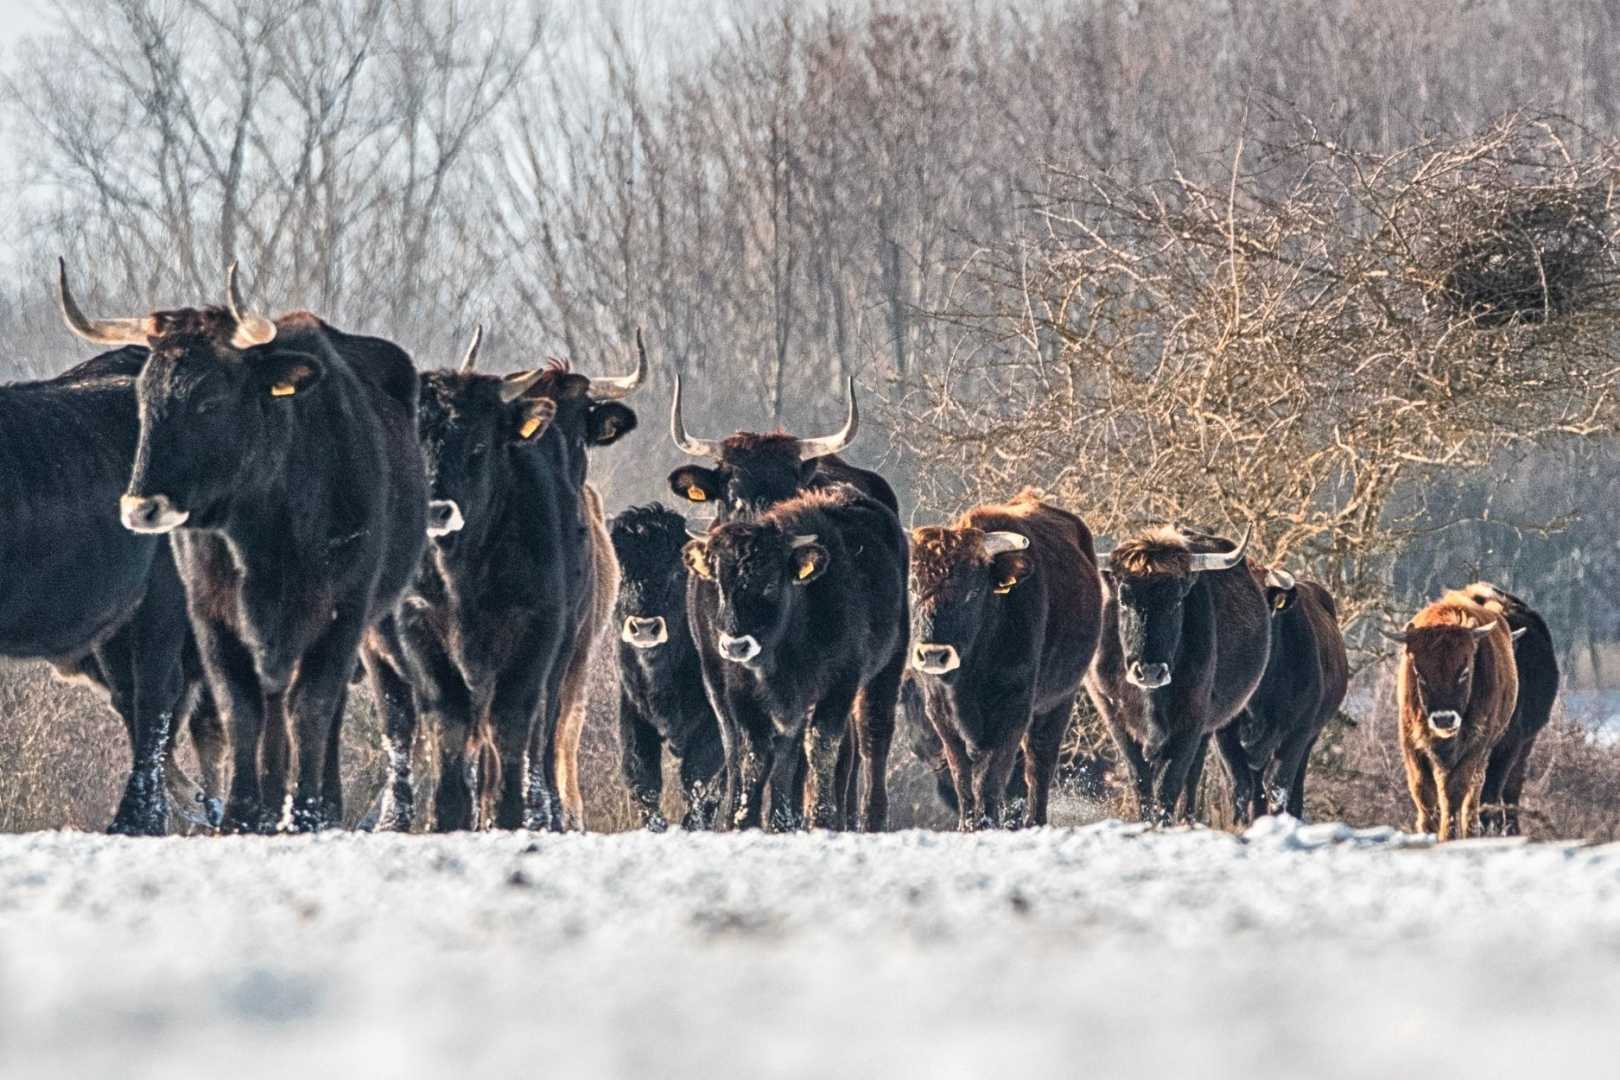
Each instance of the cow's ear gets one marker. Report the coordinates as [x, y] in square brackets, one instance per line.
[696, 556]
[532, 417]
[608, 422]
[1280, 600]
[808, 562]
[694, 483]
[285, 373]
[1009, 569]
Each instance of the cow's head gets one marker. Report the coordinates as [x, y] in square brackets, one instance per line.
[1150, 577]
[651, 607]
[752, 472]
[1441, 661]
[759, 574]
[476, 429]
[959, 578]
[214, 398]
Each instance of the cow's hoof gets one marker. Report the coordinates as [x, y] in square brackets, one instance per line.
[307, 816]
[214, 811]
[656, 823]
[246, 819]
[148, 821]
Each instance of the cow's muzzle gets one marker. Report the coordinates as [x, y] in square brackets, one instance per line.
[644, 633]
[1445, 723]
[1147, 676]
[444, 517]
[931, 659]
[739, 650]
[150, 514]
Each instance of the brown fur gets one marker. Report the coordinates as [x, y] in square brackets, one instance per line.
[1161, 552]
[571, 723]
[1445, 776]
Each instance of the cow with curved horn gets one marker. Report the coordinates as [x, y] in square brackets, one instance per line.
[752, 472]
[282, 456]
[518, 579]
[1005, 610]
[1457, 689]
[1186, 635]
[1267, 750]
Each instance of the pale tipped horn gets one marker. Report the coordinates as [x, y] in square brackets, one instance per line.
[832, 444]
[1278, 578]
[705, 448]
[469, 359]
[519, 383]
[1481, 632]
[99, 331]
[1222, 560]
[251, 329]
[800, 540]
[1001, 542]
[610, 387]
[1398, 638]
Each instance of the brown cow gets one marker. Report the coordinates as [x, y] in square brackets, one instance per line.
[1006, 608]
[1457, 689]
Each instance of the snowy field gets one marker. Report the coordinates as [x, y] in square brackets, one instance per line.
[1101, 951]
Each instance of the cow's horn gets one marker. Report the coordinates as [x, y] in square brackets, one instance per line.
[518, 383]
[1482, 631]
[832, 444]
[1280, 579]
[799, 540]
[1222, 560]
[1001, 542]
[1398, 638]
[609, 387]
[251, 329]
[99, 331]
[709, 448]
[469, 359]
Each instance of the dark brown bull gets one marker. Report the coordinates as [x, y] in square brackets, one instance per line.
[1006, 606]
[1185, 639]
[1266, 752]
[1457, 689]
[1537, 664]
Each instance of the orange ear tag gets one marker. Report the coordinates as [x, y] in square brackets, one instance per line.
[697, 494]
[1006, 586]
[530, 426]
[806, 570]
[283, 389]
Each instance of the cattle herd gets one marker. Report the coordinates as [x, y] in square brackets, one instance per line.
[226, 521]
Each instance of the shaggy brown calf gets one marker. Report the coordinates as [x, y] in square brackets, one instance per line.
[1457, 689]
[1006, 608]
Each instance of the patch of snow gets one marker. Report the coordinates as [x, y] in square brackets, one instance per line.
[1109, 950]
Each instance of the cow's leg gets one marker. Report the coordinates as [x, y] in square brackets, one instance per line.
[313, 700]
[208, 741]
[396, 808]
[1459, 806]
[234, 683]
[874, 714]
[787, 781]
[1172, 764]
[1238, 772]
[528, 797]
[1284, 779]
[703, 784]
[1420, 786]
[1130, 751]
[1513, 787]
[641, 763]
[960, 768]
[1492, 816]
[991, 772]
[849, 783]
[1192, 788]
[752, 734]
[444, 707]
[1042, 747]
[823, 738]
[544, 797]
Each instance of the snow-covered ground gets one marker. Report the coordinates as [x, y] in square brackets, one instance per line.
[1101, 951]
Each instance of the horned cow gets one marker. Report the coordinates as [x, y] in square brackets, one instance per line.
[1005, 617]
[800, 618]
[1185, 640]
[1457, 688]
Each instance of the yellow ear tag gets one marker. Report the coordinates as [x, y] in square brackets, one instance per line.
[1006, 586]
[530, 426]
[1281, 601]
[283, 389]
[806, 570]
[697, 494]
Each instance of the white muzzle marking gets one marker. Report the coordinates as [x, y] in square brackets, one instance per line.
[444, 518]
[739, 650]
[644, 633]
[1445, 724]
[150, 514]
[1148, 676]
[931, 659]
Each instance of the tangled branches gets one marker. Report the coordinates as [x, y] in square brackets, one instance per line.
[1298, 344]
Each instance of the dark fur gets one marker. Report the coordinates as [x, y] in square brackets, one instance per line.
[1023, 654]
[79, 590]
[1267, 751]
[833, 650]
[492, 623]
[1537, 663]
[306, 523]
[1211, 628]
[755, 472]
[661, 697]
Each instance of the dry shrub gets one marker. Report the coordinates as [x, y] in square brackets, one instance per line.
[65, 755]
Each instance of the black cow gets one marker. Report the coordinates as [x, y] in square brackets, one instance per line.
[1267, 750]
[1005, 618]
[283, 457]
[1185, 639]
[800, 618]
[102, 605]
[661, 697]
[1537, 661]
[499, 622]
